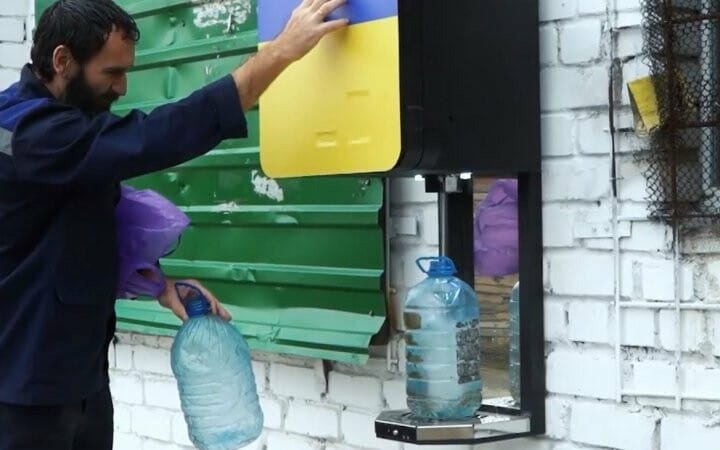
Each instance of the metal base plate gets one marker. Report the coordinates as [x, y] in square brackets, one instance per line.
[491, 423]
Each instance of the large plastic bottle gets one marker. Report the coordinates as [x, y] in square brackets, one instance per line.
[212, 365]
[442, 319]
[514, 354]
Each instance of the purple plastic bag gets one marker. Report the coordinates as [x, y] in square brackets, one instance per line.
[148, 227]
[496, 231]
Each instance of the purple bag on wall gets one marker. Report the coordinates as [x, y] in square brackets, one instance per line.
[496, 231]
[148, 228]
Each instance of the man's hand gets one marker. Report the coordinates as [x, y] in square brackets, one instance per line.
[307, 26]
[303, 31]
[169, 299]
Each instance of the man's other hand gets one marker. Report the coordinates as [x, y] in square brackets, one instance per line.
[170, 299]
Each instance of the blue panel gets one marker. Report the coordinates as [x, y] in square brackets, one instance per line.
[274, 14]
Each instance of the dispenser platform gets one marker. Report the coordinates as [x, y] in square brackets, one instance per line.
[495, 420]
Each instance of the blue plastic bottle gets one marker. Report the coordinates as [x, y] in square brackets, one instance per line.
[514, 354]
[442, 319]
[212, 365]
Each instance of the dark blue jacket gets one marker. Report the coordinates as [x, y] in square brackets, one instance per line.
[59, 175]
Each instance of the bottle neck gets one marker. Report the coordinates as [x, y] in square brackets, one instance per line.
[197, 307]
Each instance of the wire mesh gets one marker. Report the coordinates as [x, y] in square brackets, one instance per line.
[682, 46]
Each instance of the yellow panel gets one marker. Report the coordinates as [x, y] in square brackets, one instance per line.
[336, 111]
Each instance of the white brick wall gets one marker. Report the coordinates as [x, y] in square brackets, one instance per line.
[15, 32]
[304, 411]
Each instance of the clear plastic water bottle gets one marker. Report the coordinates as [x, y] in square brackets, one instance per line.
[442, 318]
[212, 365]
[514, 354]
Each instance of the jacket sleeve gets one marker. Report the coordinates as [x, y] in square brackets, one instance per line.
[58, 144]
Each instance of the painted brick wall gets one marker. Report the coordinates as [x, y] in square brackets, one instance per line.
[585, 377]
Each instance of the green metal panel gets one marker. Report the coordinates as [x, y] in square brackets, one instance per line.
[299, 262]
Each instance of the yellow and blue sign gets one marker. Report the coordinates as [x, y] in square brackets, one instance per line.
[337, 110]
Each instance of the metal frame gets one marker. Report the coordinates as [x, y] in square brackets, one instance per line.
[455, 216]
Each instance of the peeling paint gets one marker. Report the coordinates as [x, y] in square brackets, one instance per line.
[267, 187]
[229, 13]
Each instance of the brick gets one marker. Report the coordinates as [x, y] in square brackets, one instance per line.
[162, 392]
[627, 19]
[630, 431]
[632, 184]
[693, 330]
[581, 273]
[12, 29]
[180, 433]
[648, 237]
[121, 420]
[359, 429]
[571, 446]
[630, 277]
[701, 382]
[594, 135]
[394, 392]
[123, 356]
[153, 360]
[592, 7]
[296, 382]
[653, 377]
[557, 417]
[152, 422]
[156, 445]
[8, 77]
[576, 179]
[557, 134]
[126, 441]
[585, 373]
[409, 190]
[358, 392]
[13, 8]
[713, 323]
[279, 441]
[555, 319]
[258, 444]
[557, 226]
[621, 5]
[340, 447]
[638, 327]
[273, 411]
[629, 143]
[260, 374]
[14, 55]
[312, 420]
[127, 388]
[430, 225]
[658, 280]
[548, 45]
[589, 321]
[556, 9]
[516, 444]
[631, 70]
[580, 41]
[629, 42]
[570, 87]
[689, 432]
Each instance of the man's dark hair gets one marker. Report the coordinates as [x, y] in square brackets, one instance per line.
[81, 25]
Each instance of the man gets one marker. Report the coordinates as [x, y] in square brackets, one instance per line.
[62, 155]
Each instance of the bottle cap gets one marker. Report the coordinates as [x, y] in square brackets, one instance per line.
[193, 299]
[440, 266]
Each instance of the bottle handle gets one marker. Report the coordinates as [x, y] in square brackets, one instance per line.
[441, 259]
[190, 289]
[419, 262]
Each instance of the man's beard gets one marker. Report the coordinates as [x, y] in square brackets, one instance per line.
[79, 94]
